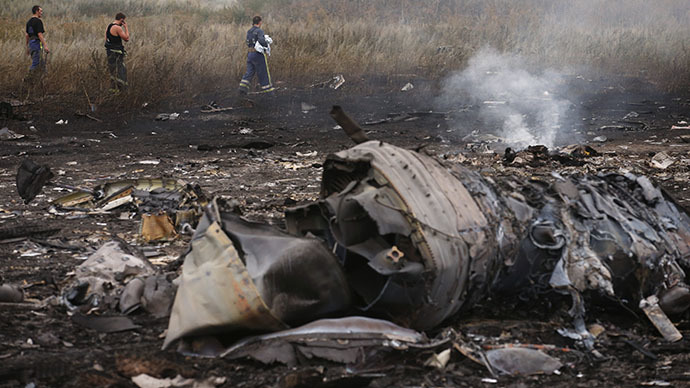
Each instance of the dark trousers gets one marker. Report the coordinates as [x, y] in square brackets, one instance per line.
[256, 64]
[38, 64]
[37, 60]
[36, 51]
[117, 69]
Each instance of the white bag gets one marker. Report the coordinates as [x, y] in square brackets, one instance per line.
[261, 49]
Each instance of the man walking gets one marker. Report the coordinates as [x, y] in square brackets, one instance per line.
[116, 32]
[258, 47]
[36, 43]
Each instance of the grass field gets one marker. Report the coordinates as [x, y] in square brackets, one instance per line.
[180, 48]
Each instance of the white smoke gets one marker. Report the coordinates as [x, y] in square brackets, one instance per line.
[516, 103]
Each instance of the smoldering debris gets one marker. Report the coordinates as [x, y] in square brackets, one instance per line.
[402, 236]
[536, 156]
[510, 95]
[388, 226]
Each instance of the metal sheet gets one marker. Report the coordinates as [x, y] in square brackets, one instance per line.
[445, 219]
[216, 292]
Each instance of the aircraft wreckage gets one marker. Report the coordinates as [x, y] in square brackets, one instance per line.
[400, 236]
[397, 238]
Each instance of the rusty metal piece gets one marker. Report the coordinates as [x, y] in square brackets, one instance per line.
[395, 254]
[650, 306]
[156, 227]
[352, 129]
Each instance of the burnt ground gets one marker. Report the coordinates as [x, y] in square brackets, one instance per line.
[263, 157]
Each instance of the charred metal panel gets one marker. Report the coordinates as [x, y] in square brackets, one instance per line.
[446, 224]
[298, 278]
[339, 340]
[245, 276]
[216, 293]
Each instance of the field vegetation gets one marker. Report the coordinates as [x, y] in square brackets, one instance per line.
[182, 48]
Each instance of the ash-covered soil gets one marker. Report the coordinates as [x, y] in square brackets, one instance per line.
[268, 157]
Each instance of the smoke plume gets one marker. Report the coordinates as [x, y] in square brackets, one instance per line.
[515, 102]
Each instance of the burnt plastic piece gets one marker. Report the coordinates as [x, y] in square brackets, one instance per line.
[31, 178]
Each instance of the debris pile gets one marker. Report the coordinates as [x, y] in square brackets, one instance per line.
[117, 277]
[166, 205]
[397, 243]
[398, 235]
[145, 195]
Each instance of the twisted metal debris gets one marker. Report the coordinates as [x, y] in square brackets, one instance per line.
[416, 240]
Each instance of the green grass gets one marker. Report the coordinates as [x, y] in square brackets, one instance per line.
[180, 48]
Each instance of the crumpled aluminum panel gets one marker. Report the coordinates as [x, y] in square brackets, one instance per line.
[244, 276]
[339, 340]
[216, 293]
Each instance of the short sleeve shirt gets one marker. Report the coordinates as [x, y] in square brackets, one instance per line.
[33, 27]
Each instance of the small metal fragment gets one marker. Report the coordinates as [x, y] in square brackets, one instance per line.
[651, 308]
[395, 254]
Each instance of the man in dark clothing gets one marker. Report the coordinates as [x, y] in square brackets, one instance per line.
[116, 32]
[35, 42]
[258, 45]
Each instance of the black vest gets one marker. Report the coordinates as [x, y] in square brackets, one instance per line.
[113, 42]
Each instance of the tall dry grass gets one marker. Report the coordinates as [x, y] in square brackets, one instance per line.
[181, 48]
